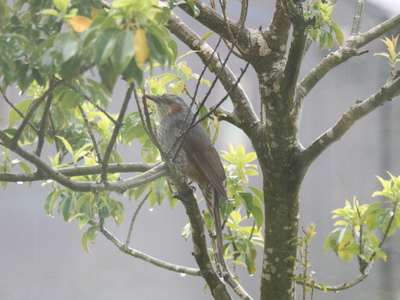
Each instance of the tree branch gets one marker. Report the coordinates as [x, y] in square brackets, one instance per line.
[295, 56]
[343, 286]
[90, 131]
[185, 194]
[356, 112]
[117, 186]
[30, 113]
[77, 171]
[348, 50]
[115, 133]
[147, 258]
[17, 110]
[355, 28]
[243, 108]
[215, 21]
[42, 130]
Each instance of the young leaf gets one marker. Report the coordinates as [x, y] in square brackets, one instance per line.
[66, 144]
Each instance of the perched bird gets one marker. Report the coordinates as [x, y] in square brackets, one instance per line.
[197, 157]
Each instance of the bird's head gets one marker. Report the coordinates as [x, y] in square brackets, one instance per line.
[169, 105]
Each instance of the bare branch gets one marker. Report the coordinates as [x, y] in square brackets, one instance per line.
[361, 40]
[343, 286]
[356, 112]
[215, 21]
[243, 13]
[348, 50]
[148, 258]
[128, 238]
[90, 131]
[242, 104]
[118, 186]
[295, 56]
[115, 133]
[77, 171]
[42, 130]
[185, 194]
[355, 29]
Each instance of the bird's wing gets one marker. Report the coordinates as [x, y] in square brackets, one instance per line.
[202, 154]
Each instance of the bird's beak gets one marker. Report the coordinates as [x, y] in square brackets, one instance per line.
[153, 98]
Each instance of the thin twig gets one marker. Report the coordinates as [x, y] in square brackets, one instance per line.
[87, 98]
[42, 130]
[17, 110]
[128, 238]
[53, 131]
[206, 65]
[148, 258]
[32, 111]
[115, 133]
[90, 131]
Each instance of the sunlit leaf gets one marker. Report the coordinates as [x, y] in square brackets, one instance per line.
[141, 48]
[80, 23]
[66, 144]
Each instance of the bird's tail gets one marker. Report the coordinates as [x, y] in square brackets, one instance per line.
[213, 199]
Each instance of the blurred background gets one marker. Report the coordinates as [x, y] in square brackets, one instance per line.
[42, 257]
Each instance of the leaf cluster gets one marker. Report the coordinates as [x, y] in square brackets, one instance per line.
[391, 55]
[355, 233]
[321, 13]
[65, 38]
[243, 229]
[88, 208]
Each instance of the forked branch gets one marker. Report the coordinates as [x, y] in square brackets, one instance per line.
[355, 113]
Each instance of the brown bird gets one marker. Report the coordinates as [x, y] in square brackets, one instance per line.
[197, 157]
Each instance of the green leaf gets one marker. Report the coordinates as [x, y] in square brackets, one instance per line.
[105, 44]
[89, 236]
[149, 152]
[158, 190]
[348, 248]
[67, 45]
[156, 40]
[25, 167]
[186, 231]
[13, 116]
[81, 152]
[207, 35]
[335, 238]
[84, 241]
[61, 5]
[251, 172]
[25, 76]
[338, 32]
[118, 213]
[70, 99]
[83, 222]
[50, 11]
[66, 144]
[50, 201]
[196, 11]
[108, 76]
[371, 209]
[66, 207]
[123, 52]
[248, 201]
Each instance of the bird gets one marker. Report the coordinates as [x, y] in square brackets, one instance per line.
[197, 158]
